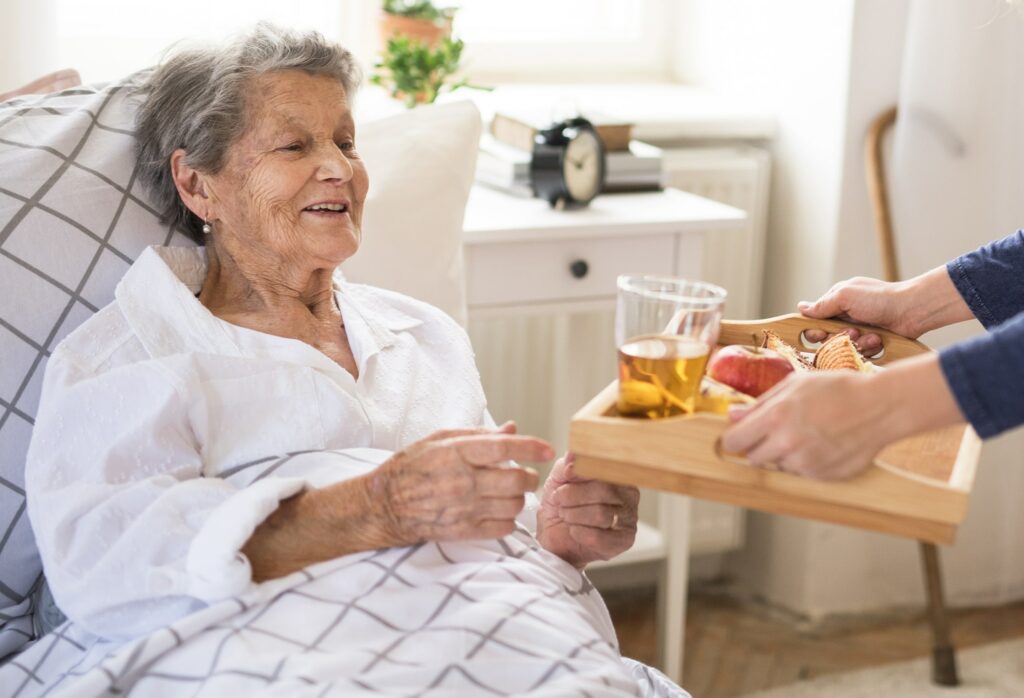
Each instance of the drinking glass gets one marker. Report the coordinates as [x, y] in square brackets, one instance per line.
[665, 328]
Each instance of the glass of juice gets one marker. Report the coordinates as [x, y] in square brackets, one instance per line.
[665, 328]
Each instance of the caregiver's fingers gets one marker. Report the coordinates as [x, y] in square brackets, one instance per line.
[769, 451]
[868, 344]
[753, 428]
[820, 335]
[490, 449]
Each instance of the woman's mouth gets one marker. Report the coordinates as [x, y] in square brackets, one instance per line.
[327, 209]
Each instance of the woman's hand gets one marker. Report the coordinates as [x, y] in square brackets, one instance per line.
[457, 484]
[829, 425]
[583, 520]
[451, 485]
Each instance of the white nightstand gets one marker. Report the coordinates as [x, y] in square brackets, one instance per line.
[524, 258]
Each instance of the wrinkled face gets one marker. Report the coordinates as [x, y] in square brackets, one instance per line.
[292, 188]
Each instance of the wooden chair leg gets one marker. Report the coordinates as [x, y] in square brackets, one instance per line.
[944, 671]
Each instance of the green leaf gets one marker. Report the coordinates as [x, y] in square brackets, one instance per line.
[410, 67]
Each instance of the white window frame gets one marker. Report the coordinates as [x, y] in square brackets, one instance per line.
[646, 57]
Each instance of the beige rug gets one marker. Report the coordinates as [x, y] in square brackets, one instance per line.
[991, 671]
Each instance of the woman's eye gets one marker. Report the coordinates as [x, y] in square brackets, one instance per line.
[346, 145]
[292, 147]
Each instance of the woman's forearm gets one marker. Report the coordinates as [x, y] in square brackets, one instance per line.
[318, 525]
[931, 301]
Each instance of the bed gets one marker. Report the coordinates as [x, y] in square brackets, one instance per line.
[476, 618]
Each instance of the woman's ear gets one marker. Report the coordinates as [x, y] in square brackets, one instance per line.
[191, 185]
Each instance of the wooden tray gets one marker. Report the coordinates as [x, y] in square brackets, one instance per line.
[916, 488]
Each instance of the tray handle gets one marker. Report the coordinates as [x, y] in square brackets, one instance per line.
[790, 327]
[737, 459]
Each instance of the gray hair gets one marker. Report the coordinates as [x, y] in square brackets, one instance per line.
[196, 100]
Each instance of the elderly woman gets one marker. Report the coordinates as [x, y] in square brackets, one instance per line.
[241, 423]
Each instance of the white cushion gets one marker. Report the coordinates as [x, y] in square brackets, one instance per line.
[73, 218]
[421, 165]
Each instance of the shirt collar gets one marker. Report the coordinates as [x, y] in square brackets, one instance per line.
[157, 297]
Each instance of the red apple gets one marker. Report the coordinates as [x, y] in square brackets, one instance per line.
[747, 369]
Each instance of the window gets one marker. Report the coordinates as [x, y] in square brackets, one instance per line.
[107, 39]
[563, 40]
[536, 40]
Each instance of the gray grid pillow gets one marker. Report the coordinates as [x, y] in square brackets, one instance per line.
[72, 220]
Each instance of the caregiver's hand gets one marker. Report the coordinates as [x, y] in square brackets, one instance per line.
[829, 425]
[823, 425]
[865, 301]
[458, 484]
[908, 308]
[583, 520]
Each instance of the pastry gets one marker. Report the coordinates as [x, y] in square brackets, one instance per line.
[839, 352]
[778, 344]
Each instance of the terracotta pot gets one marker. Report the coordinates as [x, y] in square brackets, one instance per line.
[422, 29]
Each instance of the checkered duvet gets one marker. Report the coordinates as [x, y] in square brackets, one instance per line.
[476, 618]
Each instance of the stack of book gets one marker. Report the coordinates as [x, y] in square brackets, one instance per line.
[505, 153]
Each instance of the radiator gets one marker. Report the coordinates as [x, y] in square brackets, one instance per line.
[521, 358]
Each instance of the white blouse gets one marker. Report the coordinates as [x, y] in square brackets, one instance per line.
[163, 435]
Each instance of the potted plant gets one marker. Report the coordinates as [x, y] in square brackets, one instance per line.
[416, 19]
[420, 56]
[416, 72]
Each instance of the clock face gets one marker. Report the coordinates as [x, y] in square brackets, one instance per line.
[582, 166]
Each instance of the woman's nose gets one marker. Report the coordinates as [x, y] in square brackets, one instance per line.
[334, 164]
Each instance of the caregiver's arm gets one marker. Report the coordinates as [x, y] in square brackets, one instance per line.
[991, 279]
[908, 308]
[986, 374]
[986, 283]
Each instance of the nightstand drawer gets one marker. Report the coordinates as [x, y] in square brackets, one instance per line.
[561, 270]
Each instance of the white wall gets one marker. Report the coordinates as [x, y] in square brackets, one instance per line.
[790, 57]
[28, 47]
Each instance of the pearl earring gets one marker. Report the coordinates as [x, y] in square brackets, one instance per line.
[207, 228]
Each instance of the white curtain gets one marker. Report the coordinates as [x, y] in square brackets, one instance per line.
[28, 47]
[957, 176]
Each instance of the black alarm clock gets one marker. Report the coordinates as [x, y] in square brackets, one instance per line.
[568, 164]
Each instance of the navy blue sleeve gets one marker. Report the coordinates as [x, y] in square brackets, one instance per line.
[986, 375]
[991, 279]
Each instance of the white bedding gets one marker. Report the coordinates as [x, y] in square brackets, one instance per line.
[473, 618]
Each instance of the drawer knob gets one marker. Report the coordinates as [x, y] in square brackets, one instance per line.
[579, 268]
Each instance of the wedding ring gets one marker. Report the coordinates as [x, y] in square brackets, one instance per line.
[615, 521]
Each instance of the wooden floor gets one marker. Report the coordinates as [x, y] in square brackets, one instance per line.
[733, 649]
